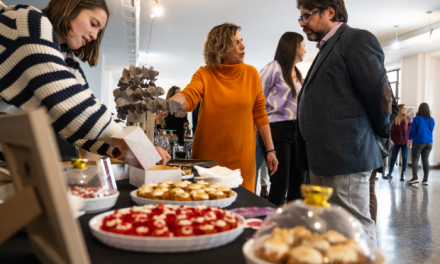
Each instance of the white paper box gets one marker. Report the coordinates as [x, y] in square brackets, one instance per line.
[136, 147]
[157, 173]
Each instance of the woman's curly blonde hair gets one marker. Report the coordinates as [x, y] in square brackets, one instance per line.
[220, 39]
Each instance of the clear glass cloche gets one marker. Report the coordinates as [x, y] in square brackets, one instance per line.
[313, 232]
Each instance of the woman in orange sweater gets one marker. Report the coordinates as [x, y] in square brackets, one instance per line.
[233, 104]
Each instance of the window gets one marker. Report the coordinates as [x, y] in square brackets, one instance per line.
[394, 79]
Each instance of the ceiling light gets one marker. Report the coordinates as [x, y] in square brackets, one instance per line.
[396, 44]
[152, 16]
[429, 39]
[158, 11]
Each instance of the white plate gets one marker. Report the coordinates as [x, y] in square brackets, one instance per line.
[187, 177]
[163, 244]
[252, 259]
[96, 205]
[222, 203]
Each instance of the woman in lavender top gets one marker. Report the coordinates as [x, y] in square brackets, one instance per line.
[282, 81]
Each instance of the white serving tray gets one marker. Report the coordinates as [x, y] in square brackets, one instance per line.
[222, 203]
[163, 244]
[187, 177]
[96, 205]
[252, 259]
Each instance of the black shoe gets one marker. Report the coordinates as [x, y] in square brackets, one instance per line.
[388, 177]
[425, 183]
[402, 176]
[413, 181]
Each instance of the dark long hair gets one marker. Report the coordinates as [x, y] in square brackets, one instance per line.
[172, 92]
[286, 54]
[424, 111]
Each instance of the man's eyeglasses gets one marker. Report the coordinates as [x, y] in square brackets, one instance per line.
[306, 17]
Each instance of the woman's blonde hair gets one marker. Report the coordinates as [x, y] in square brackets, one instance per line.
[220, 40]
[401, 117]
[61, 12]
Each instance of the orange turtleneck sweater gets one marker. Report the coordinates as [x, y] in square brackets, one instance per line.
[233, 104]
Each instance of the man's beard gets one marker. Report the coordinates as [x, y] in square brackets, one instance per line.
[316, 36]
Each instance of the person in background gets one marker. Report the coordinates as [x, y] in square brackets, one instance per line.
[233, 104]
[399, 135]
[282, 81]
[180, 125]
[195, 118]
[344, 103]
[420, 135]
[38, 68]
[261, 165]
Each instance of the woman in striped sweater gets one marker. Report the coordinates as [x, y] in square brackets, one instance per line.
[38, 68]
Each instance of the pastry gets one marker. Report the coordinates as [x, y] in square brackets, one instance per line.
[221, 225]
[152, 185]
[175, 192]
[170, 184]
[193, 187]
[299, 233]
[202, 183]
[205, 229]
[165, 221]
[159, 194]
[274, 250]
[145, 192]
[285, 235]
[182, 185]
[184, 197]
[186, 171]
[231, 220]
[226, 190]
[304, 255]
[317, 242]
[335, 238]
[142, 231]
[342, 254]
[200, 195]
[217, 195]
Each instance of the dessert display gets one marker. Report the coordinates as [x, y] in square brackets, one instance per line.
[97, 188]
[311, 232]
[165, 221]
[299, 246]
[89, 192]
[184, 191]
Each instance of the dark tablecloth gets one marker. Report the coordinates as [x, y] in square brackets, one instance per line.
[17, 249]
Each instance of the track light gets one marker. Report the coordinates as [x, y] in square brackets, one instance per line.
[396, 44]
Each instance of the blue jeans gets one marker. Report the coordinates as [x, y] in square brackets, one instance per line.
[394, 154]
[260, 158]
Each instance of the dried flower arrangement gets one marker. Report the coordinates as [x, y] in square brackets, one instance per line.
[138, 93]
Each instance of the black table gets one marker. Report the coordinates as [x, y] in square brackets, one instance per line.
[17, 249]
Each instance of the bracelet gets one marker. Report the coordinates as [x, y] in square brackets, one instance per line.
[271, 150]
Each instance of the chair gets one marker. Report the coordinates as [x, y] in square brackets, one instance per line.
[40, 204]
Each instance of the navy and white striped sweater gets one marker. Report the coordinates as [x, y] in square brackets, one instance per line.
[36, 71]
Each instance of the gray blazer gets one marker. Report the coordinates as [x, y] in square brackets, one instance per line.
[345, 101]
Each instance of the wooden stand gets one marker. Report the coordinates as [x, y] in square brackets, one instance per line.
[40, 204]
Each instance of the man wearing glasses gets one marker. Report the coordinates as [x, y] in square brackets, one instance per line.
[344, 102]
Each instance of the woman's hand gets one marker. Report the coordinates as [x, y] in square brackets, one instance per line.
[272, 162]
[185, 125]
[165, 156]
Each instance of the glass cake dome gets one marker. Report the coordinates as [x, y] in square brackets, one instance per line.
[87, 182]
[312, 231]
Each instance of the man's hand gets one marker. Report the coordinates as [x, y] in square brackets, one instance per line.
[408, 143]
[185, 125]
[272, 162]
[165, 156]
